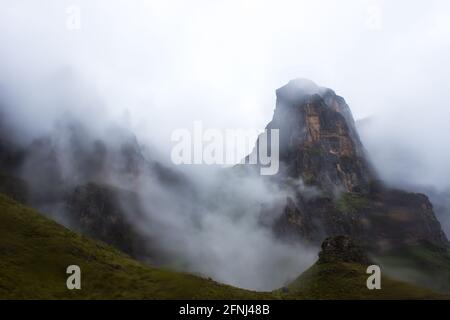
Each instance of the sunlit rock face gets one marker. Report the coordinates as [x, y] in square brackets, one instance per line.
[318, 139]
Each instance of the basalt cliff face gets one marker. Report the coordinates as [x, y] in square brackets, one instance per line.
[320, 146]
[318, 140]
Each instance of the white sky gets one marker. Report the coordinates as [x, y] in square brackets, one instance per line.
[172, 62]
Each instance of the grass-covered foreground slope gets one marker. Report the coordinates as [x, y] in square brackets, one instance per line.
[422, 264]
[341, 273]
[341, 280]
[35, 252]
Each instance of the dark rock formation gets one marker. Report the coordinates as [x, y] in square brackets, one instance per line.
[319, 145]
[441, 204]
[110, 215]
[71, 175]
[318, 140]
[342, 249]
[381, 221]
[11, 154]
[72, 155]
[14, 188]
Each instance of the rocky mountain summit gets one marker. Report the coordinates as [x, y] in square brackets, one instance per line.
[320, 146]
[318, 139]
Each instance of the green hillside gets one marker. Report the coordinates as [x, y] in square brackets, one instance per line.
[422, 264]
[339, 280]
[35, 252]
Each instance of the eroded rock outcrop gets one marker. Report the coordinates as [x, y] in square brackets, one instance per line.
[320, 146]
[108, 214]
[318, 140]
[342, 249]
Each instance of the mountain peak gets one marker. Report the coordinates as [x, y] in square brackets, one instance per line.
[319, 142]
[320, 146]
[297, 88]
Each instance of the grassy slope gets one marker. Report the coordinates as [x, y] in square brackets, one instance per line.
[348, 281]
[35, 252]
[421, 264]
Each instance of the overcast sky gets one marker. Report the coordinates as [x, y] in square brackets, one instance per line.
[163, 64]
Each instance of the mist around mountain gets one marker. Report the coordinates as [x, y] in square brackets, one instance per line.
[103, 186]
[231, 224]
[34, 245]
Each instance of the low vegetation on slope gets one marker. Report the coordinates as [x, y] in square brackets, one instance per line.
[341, 273]
[341, 280]
[35, 252]
[422, 264]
